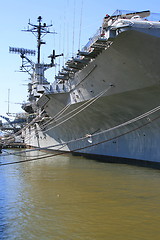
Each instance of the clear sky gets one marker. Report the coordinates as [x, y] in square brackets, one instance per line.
[66, 18]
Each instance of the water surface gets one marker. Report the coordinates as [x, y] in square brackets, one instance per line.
[73, 198]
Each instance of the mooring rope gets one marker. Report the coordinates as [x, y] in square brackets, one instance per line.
[85, 147]
[146, 114]
[90, 101]
[95, 134]
[81, 107]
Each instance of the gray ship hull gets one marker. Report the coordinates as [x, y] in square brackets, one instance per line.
[112, 126]
[112, 109]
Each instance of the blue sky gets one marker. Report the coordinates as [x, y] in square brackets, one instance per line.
[14, 16]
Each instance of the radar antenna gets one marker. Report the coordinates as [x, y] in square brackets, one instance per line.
[39, 31]
[36, 70]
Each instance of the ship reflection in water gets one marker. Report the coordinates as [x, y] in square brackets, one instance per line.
[72, 198]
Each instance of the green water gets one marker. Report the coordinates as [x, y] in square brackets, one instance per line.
[72, 198]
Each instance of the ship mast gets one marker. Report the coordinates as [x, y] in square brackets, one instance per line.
[39, 31]
[39, 83]
[39, 37]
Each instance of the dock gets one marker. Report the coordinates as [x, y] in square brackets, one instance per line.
[12, 145]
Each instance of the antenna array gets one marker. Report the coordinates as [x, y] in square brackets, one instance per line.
[22, 51]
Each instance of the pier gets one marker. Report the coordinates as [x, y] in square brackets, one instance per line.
[12, 145]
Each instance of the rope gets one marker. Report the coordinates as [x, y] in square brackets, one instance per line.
[92, 100]
[64, 33]
[55, 118]
[111, 129]
[80, 27]
[88, 104]
[107, 130]
[74, 6]
[133, 120]
[57, 115]
[79, 149]
[20, 131]
[61, 145]
[68, 32]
